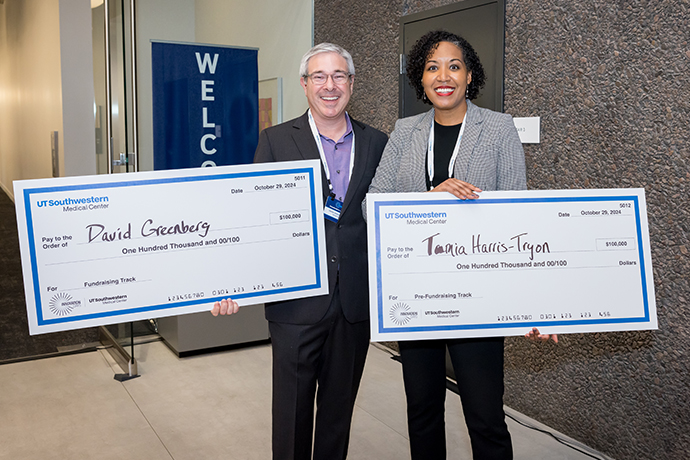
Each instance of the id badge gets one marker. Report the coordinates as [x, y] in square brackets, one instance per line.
[332, 209]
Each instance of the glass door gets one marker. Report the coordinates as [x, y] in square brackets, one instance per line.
[114, 82]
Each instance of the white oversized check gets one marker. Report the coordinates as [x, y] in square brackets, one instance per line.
[563, 261]
[113, 248]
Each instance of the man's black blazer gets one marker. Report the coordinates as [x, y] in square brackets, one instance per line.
[346, 241]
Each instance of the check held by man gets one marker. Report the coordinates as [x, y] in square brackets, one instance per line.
[94, 253]
[322, 341]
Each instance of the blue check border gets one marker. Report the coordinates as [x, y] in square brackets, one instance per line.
[28, 192]
[505, 325]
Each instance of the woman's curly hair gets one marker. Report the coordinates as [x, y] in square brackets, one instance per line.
[425, 47]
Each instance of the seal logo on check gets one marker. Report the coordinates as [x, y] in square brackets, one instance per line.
[62, 304]
[401, 315]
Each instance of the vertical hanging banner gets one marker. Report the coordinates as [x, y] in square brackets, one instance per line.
[205, 105]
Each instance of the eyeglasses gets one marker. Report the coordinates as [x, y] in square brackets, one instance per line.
[339, 78]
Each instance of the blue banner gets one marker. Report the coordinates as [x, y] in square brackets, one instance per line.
[205, 105]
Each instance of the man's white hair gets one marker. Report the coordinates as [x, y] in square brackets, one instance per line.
[325, 48]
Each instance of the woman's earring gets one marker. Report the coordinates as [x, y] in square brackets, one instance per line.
[467, 92]
[424, 98]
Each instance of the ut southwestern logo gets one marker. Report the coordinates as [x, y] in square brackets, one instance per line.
[400, 314]
[72, 201]
[62, 304]
[415, 215]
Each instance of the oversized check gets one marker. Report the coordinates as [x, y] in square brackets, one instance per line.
[114, 248]
[563, 261]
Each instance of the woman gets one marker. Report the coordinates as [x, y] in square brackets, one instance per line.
[459, 148]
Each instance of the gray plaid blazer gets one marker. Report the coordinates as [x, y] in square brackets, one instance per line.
[490, 156]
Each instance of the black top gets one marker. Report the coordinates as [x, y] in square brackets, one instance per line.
[444, 143]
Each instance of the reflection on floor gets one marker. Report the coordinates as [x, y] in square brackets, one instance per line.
[212, 406]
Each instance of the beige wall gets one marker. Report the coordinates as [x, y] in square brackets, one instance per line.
[30, 88]
[46, 85]
[78, 151]
[43, 88]
[5, 123]
[38, 83]
[281, 29]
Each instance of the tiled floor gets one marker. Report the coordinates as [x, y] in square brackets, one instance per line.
[212, 406]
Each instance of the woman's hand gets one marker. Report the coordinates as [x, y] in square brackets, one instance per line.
[460, 189]
[225, 307]
[536, 336]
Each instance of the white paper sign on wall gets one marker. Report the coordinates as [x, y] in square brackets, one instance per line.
[528, 129]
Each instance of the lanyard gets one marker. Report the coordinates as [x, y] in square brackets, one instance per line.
[317, 138]
[430, 151]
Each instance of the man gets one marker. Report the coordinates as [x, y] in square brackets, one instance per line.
[322, 341]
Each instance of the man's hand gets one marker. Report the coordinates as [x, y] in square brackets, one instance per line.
[225, 307]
